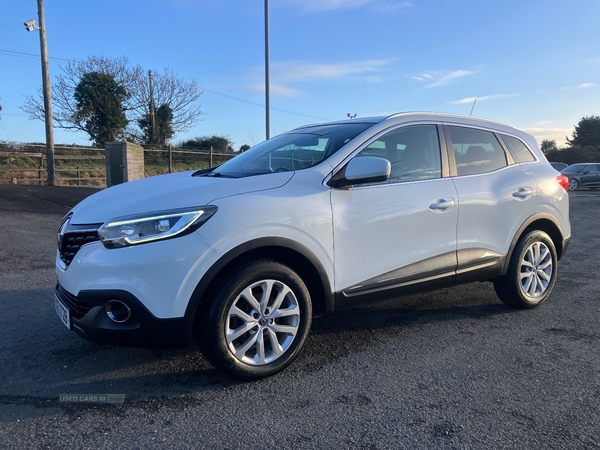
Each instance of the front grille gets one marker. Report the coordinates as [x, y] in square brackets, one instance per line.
[72, 237]
[72, 242]
[77, 308]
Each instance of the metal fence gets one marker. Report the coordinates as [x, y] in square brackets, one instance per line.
[86, 166]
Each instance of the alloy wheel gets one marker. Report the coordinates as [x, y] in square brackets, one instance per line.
[535, 272]
[573, 184]
[262, 322]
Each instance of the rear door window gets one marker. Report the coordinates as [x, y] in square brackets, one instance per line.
[593, 168]
[475, 151]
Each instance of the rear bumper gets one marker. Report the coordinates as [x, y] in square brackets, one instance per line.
[89, 320]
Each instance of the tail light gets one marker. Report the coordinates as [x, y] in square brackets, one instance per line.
[563, 181]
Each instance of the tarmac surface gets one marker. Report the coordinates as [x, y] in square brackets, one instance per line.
[454, 368]
[41, 199]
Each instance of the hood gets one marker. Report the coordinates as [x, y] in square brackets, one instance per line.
[177, 190]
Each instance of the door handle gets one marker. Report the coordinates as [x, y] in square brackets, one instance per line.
[442, 205]
[522, 193]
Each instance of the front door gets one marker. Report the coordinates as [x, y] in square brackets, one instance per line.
[397, 233]
[590, 176]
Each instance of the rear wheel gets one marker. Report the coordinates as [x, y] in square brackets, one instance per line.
[573, 184]
[258, 322]
[531, 272]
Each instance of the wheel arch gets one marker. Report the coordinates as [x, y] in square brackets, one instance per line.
[543, 222]
[288, 252]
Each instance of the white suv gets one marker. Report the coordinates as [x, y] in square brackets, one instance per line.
[318, 219]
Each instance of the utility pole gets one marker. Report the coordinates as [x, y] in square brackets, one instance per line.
[152, 111]
[267, 97]
[47, 97]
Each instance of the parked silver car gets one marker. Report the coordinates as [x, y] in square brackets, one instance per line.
[312, 221]
[583, 175]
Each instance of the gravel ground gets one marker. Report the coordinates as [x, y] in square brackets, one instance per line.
[454, 368]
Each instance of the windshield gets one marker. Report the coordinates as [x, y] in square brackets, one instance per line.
[296, 150]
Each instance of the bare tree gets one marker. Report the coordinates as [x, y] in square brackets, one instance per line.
[251, 140]
[168, 88]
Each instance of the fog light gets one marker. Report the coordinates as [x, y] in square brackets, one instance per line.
[118, 311]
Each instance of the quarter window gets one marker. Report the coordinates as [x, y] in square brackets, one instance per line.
[476, 151]
[413, 152]
[517, 149]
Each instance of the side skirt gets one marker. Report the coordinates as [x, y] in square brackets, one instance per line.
[473, 265]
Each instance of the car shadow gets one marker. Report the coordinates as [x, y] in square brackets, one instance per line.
[42, 366]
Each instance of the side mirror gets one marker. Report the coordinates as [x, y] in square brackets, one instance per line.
[362, 170]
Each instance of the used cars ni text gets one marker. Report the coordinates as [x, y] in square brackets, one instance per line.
[318, 219]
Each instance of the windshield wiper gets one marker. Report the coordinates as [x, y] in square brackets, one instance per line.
[219, 175]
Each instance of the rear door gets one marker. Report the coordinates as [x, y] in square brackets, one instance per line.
[495, 196]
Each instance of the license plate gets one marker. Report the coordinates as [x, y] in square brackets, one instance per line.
[63, 312]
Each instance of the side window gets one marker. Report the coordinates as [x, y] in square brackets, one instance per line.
[593, 168]
[476, 151]
[413, 152]
[517, 149]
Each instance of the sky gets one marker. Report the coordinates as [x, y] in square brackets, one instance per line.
[533, 64]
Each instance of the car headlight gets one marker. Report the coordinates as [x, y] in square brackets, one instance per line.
[140, 228]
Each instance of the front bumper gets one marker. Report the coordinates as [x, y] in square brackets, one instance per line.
[88, 318]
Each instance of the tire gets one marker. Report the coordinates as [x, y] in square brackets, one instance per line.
[531, 272]
[573, 184]
[258, 322]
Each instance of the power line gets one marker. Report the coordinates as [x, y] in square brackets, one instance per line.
[260, 104]
[31, 55]
[212, 91]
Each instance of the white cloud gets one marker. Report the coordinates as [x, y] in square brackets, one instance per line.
[554, 134]
[482, 99]
[423, 77]
[327, 5]
[317, 6]
[581, 86]
[284, 74]
[298, 71]
[392, 6]
[275, 90]
[441, 78]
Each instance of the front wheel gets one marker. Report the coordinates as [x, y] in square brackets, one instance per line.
[258, 321]
[531, 272]
[573, 184]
